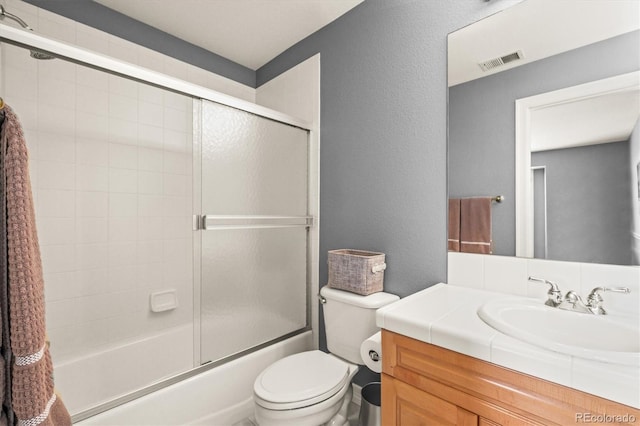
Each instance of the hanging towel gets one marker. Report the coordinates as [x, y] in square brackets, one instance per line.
[454, 224]
[33, 399]
[475, 225]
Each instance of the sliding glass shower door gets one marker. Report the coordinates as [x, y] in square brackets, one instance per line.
[254, 231]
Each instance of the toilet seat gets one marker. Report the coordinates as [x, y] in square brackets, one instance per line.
[300, 380]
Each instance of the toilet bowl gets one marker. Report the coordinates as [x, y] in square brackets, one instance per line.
[314, 388]
[307, 389]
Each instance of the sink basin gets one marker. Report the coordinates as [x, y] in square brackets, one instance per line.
[596, 337]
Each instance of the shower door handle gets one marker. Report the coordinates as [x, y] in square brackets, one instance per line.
[213, 222]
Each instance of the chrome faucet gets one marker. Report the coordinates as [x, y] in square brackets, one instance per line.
[594, 300]
[572, 300]
[554, 295]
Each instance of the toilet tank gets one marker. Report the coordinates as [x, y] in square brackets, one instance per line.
[349, 319]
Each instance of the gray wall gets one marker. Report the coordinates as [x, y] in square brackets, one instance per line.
[482, 121]
[588, 203]
[383, 179]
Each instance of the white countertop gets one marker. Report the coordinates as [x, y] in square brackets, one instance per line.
[445, 315]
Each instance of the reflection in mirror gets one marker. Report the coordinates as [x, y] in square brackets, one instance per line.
[533, 48]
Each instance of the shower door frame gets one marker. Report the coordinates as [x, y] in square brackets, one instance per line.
[30, 40]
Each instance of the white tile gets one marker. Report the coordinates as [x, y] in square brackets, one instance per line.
[123, 107]
[175, 68]
[93, 281]
[91, 127]
[123, 50]
[123, 278]
[18, 57]
[94, 78]
[150, 94]
[27, 111]
[91, 39]
[92, 256]
[123, 86]
[123, 131]
[92, 100]
[123, 205]
[92, 152]
[150, 59]
[56, 120]
[55, 203]
[176, 227]
[123, 156]
[150, 159]
[150, 229]
[150, 205]
[56, 231]
[62, 313]
[122, 254]
[177, 206]
[177, 162]
[462, 332]
[92, 178]
[91, 230]
[57, 148]
[56, 30]
[177, 119]
[58, 258]
[610, 381]
[596, 275]
[123, 181]
[177, 185]
[565, 274]
[59, 176]
[150, 113]
[20, 83]
[520, 356]
[150, 252]
[56, 93]
[150, 274]
[178, 102]
[150, 136]
[61, 285]
[175, 141]
[506, 275]
[122, 229]
[58, 69]
[465, 270]
[92, 204]
[150, 183]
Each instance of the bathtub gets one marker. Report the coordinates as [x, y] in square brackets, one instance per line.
[220, 396]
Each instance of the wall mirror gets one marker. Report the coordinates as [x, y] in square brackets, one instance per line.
[543, 109]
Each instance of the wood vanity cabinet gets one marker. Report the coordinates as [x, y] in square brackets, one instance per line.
[424, 384]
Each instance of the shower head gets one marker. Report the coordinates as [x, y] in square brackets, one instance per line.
[34, 53]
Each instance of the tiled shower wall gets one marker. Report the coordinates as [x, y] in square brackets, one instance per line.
[111, 167]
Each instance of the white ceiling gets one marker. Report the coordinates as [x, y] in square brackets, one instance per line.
[538, 28]
[249, 32]
[542, 28]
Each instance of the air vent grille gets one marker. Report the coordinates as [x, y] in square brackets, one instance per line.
[502, 60]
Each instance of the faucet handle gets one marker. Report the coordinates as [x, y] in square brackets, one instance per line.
[594, 300]
[554, 294]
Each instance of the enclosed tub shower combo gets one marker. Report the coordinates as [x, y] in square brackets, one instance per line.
[174, 224]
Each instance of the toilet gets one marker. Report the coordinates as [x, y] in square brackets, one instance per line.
[314, 388]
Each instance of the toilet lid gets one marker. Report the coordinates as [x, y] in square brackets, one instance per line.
[301, 377]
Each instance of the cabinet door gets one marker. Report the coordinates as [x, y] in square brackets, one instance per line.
[403, 404]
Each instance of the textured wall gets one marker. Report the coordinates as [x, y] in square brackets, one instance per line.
[588, 203]
[383, 128]
[482, 121]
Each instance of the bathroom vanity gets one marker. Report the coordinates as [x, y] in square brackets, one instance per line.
[443, 365]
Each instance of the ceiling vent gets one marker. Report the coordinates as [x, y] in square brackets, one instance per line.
[502, 60]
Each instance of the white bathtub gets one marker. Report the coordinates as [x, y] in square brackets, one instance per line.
[220, 396]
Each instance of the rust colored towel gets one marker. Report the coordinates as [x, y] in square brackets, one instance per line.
[454, 224]
[475, 225]
[33, 399]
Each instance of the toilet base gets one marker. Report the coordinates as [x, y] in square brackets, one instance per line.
[330, 412]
